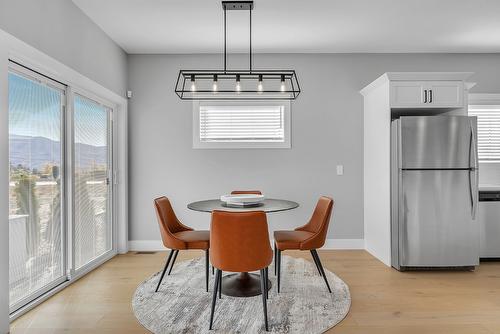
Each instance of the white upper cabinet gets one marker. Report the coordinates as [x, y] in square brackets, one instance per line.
[407, 93]
[427, 94]
[446, 93]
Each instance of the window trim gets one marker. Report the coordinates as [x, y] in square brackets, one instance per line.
[198, 144]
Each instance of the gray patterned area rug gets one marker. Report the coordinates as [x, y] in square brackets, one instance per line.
[183, 306]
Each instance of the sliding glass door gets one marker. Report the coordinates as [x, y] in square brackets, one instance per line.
[60, 191]
[91, 180]
[36, 189]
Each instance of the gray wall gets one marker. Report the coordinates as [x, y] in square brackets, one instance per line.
[327, 129]
[61, 30]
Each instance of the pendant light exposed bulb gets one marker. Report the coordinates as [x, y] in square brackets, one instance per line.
[260, 88]
[214, 85]
[283, 87]
[193, 83]
[238, 84]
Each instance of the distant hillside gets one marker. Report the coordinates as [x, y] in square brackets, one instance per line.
[36, 152]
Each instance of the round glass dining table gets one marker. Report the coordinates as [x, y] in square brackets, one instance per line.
[243, 284]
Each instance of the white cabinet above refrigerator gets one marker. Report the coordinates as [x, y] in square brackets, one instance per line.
[427, 94]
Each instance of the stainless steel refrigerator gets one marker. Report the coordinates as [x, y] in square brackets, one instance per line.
[434, 192]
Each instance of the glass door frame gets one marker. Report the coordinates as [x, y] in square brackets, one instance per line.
[29, 74]
[73, 272]
[70, 273]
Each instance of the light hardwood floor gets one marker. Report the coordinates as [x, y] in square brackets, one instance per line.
[383, 300]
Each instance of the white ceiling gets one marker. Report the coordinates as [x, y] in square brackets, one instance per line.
[195, 26]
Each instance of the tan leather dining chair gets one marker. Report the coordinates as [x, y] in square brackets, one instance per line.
[308, 237]
[177, 236]
[240, 243]
[242, 192]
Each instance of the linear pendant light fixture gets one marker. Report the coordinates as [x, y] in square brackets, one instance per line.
[250, 84]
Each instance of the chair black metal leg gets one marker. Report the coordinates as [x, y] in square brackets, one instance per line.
[275, 258]
[267, 282]
[165, 269]
[264, 299]
[214, 296]
[279, 270]
[207, 253]
[213, 270]
[322, 270]
[220, 285]
[315, 262]
[173, 261]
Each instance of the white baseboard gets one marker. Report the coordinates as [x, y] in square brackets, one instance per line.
[157, 245]
[145, 245]
[344, 244]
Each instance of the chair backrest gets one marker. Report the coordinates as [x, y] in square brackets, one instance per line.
[318, 224]
[169, 224]
[242, 192]
[239, 241]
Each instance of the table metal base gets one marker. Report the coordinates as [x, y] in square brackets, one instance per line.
[242, 285]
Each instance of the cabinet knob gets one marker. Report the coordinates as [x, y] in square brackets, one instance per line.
[425, 96]
[430, 96]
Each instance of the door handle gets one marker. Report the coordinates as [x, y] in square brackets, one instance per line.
[430, 95]
[474, 169]
[475, 163]
[474, 193]
[425, 96]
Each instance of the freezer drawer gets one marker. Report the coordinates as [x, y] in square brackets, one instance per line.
[437, 142]
[436, 228]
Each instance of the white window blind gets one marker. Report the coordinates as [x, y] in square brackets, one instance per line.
[488, 132]
[242, 123]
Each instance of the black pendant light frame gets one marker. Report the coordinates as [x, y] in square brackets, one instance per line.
[284, 83]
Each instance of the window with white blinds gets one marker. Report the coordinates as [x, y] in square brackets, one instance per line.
[241, 125]
[488, 132]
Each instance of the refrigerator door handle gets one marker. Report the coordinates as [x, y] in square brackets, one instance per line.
[475, 164]
[474, 169]
[473, 192]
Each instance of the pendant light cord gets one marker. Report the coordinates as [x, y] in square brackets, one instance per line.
[225, 68]
[225, 40]
[250, 10]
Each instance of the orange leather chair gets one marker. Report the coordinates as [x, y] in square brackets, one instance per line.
[240, 243]
[241, 192]
[177, 236]
[308, 237]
